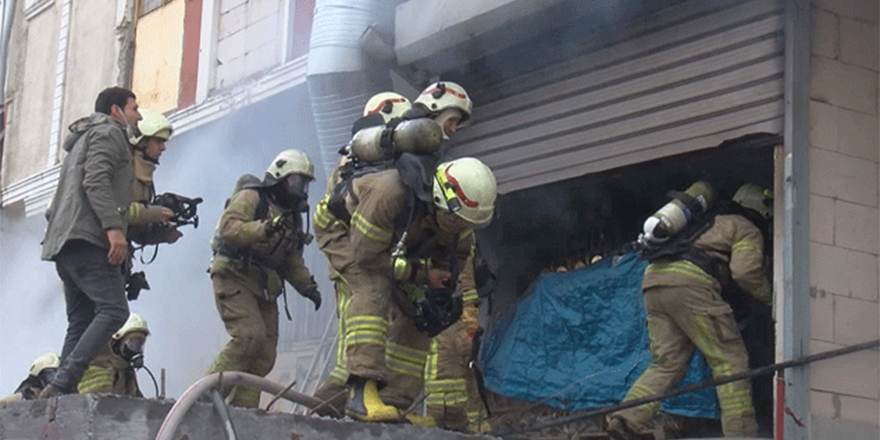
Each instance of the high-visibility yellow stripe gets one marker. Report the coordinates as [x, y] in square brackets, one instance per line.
[469, 295]
[322, 217]
[403, 367]
[681, 267]
[445, 399]
[96, 379]
[364, 338]
[431, 361]
[467, 233]
[445, 386]
[744, 245]
[370, 230]
[405, 352]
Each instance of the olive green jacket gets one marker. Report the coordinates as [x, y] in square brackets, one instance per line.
[94, 188]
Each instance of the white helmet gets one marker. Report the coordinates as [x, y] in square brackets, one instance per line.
[389, 105]
[753, 196]
[446, 95]
[153, 124]
[290, 162]
[133, 323]
[48, 360]
[466, 187]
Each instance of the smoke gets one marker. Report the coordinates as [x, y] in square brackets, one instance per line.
[186, 330]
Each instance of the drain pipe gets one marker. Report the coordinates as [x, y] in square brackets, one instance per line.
[218, 380]
[341, 76]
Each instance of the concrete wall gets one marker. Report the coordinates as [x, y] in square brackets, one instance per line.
[157, 60]
[94, 417]
[30, 88]
[250, 39]
[845, 392]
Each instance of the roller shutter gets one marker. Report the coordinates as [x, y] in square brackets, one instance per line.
[683, 78]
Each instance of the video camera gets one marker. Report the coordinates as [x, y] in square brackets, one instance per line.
[185, 209]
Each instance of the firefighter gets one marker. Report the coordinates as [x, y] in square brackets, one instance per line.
[447, 103]
[682, 294]
[396, 252]
[258, 244]
[39, 375]
[113, 369]
[380, 110]
[148, 224]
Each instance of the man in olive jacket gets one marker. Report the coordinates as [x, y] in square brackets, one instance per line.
[86, 232]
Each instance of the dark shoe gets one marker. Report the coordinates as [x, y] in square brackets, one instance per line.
[618, 430]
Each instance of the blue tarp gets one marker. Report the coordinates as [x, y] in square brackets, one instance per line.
[579, 340]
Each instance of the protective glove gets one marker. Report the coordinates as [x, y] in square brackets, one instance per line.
[314, 296]
[278, 223]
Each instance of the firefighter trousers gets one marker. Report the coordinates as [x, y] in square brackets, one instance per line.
[382, 343]
[446, 378]
[679, 320]
[252, 324]
[332, 390]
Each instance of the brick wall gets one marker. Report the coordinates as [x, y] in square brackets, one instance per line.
[250, 39]
[844, 267]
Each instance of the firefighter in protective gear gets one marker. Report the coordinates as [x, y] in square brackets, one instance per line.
[148, 223]
[685, 311]
[258, 245]
[381, 109]
[39, 375]
[384, 221]
[447, 103]
[113, 369]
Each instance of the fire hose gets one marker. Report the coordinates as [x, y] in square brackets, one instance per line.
[220, 380]
[761, 371]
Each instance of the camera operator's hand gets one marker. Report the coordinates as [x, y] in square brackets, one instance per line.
[165, 214]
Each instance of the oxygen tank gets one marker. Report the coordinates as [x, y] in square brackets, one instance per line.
[419, 136]
[673, 216]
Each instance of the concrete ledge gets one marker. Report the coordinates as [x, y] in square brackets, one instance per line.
[101, 417]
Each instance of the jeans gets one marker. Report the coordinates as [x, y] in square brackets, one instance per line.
[94, 291]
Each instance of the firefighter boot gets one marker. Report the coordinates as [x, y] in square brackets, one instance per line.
[365, 405]
[423, 421]
[617, 429]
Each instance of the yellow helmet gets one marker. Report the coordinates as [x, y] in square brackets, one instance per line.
[133, 323]
[153, 124]
[446, 95]
[48, 360]
[753, 196]
[389, 105]
[466, 187]
[290, 162]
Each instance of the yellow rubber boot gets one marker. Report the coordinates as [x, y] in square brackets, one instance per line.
[365, 405]
[423, 421]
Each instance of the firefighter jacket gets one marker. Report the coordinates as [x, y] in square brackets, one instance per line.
[731, 239]
[109, 373]
[381, 210]
[244, 250]
[143, 217]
